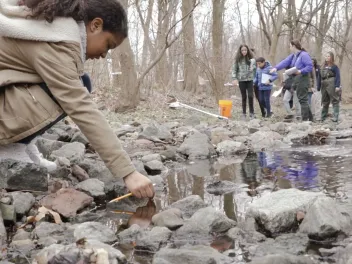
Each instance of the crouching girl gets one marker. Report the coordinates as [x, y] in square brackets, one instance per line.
[43, 47]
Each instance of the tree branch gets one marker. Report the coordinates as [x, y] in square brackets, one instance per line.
[262, 21]
[168, 43]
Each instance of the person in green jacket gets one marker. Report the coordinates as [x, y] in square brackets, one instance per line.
[243, 75]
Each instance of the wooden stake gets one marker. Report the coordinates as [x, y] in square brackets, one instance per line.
[121, 212]
[121, 197]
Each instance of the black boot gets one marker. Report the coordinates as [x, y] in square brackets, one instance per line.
[262, 109]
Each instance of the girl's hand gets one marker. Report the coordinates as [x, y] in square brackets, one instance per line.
[235, 82]
[139, 185]
[273, 70]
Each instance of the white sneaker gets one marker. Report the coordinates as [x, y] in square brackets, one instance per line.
[37, 157]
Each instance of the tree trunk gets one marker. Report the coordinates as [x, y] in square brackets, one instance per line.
[324, 24]
[190, 68]
[129, 95]
[277, 28]
[243, 38]
[162, 76]
[217, 36]
[147, 43]
[342, 51]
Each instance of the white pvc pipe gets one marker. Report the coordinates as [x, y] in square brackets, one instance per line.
[204, 112]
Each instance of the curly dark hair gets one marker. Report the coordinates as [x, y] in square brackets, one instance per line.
[240, 57]
[110, 11]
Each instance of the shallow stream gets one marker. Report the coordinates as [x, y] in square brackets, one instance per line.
[313, 168]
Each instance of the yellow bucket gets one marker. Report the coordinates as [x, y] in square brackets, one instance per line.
[225, 107]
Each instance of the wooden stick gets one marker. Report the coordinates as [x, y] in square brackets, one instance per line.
[121, 197]
[121, 212]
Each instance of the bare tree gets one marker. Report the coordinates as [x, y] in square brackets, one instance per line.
[217, 41]
[324, 21]
[129, 94]
[190, 71]
[164, 11]
[238, 11]
[271, 14]
[147, 43]
[345, 36]
[134, 92]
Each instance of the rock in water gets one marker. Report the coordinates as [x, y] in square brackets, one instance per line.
[191, 254]
[324, 220]
[276, 212]
[283, 259]
[197, 146]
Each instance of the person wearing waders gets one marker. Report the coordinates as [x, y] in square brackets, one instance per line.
[243, 75]
[303, 63]
[330, 87]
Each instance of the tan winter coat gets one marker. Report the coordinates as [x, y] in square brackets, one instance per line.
[33, 51]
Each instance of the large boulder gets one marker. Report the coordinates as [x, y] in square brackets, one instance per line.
[276, 212]
[324, 220]
[197, 146]
[189, 205]
[283, 259]
[191, 254]
[230, 147]
[264, 140]
[202, 225]
[16, 175]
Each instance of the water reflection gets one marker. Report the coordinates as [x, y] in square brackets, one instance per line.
[290, 170]
[313, 169]
[228, 173]
[122, 217]
[250, 173]
[308, 168]
[143, 215]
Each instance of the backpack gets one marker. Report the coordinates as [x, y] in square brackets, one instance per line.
[288, 84]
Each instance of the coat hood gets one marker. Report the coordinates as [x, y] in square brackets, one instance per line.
[267, 64]
[15, 22]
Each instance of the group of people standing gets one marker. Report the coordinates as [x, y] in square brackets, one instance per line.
[255, 76]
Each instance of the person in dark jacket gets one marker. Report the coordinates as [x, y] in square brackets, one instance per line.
[312, 85]
[330, 87]
[264, 86]
[316, 69]
[256, 90]
[303, 63]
